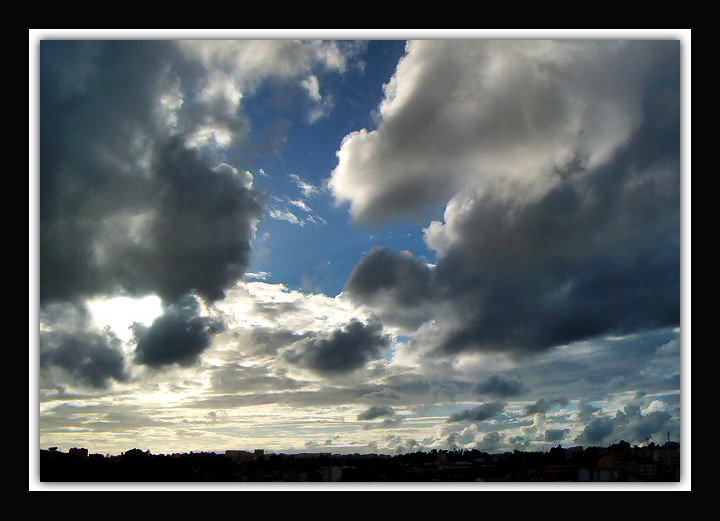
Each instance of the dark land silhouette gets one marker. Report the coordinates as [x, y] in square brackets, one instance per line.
[618, 462]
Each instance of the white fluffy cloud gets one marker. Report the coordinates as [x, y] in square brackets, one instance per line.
[508, 116]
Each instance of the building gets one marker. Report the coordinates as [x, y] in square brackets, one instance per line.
[83, 453]
[239, 455]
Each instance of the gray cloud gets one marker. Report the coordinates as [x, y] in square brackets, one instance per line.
[136, 192]
[491, 442]
[542, 405]
[401, 276]
[387, 413]
[594, 251]
[597, 430]
[90, 358]
[178, 336]
[270, 340]
[231, 378]
[126, 204]
[397, 285]
[344, 350]
[481, 113]
[376, 411]
[631, 424]
[556, 434]
[499, 386]
[482, 412]
[85, 355]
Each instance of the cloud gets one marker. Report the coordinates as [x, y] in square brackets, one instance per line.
[542, 405]
[89, 358]
[307, 189]
[395, 285]
[515, 115]
[499, 386]
[376, 411]
[73, 351]
[179, 336]
[342, 351]
[491, 442]
[482, 412]
[634, 423]
[387, 413]
[270, 340]
[137, 194]
[234, 377]
[597, 430]
[285, 215]
[556, 434]
[127, 203]
[534, 251]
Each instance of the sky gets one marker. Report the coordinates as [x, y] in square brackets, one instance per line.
[357, 245]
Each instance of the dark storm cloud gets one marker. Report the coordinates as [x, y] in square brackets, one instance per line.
[397, 285]
[400, 277]
[125, 206]
[344, 350]
[482, 412]
[542, 405]
[556, 434]
[586, 260]
[376, 411]
[650, 424]
[597, 253]
[499, 386]
[178, 336]
[89, 358]
[85, 355]
[597, 430]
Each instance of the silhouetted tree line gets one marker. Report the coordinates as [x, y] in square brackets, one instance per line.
[618, 462]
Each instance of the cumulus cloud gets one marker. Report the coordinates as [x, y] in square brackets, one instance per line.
[342, 351]
[376, 411]
[487, 113]
[563, 220]
[138, 195]
[492, 442]
[89, 358]
[542, 405]
[387, 413]
[483, 412]
[556, 434]
[145, 213]
[597, 430]
[136, 192]
[179, 336]
[73, 351]
[396, 285]
[633, 423]
[499, 386]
